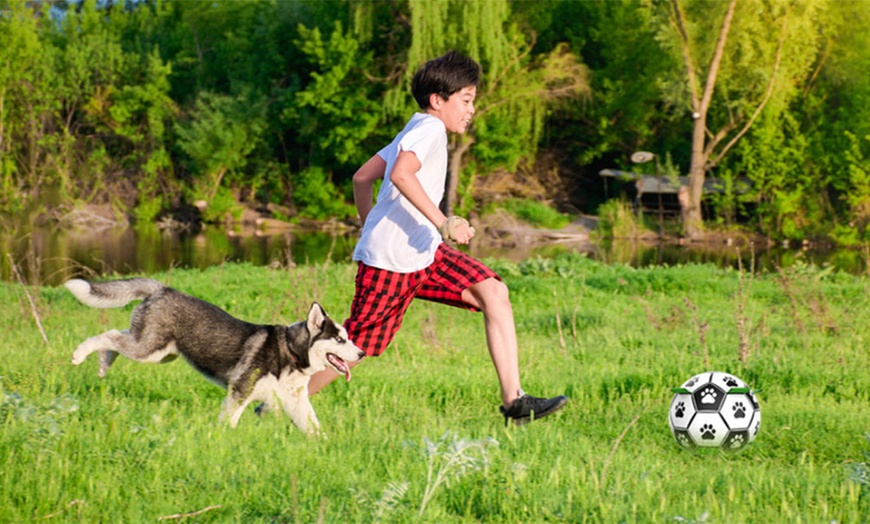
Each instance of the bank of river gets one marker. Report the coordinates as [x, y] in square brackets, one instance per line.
[51, 255]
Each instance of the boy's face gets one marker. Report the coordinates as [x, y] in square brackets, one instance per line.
[456, 111]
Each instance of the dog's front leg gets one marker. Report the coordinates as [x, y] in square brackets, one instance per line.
[293, 395]
[304, 416]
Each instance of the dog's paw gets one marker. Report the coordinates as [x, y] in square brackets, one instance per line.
[79, 356]
[106, 360]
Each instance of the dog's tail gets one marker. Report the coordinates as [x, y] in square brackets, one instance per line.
[115, 293]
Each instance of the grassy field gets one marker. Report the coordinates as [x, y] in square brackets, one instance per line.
[416, 435]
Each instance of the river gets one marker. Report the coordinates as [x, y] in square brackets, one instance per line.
[51, 255]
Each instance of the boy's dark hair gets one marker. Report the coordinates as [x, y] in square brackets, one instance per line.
[444, 76]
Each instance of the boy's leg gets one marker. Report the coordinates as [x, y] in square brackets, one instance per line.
[460, 280]
[491, 297]
[323, 378]
[380, 300]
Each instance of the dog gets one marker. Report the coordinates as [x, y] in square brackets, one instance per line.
[265, 363]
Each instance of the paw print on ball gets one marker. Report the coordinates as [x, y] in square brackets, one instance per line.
[683, 440]
[708, 396]
[680, 410]
[739, 410]
[708, 432]
[737, 441]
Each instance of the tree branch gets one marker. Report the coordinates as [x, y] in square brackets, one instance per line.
[520, 56]
[713, 70]
[679, 21]
[767, 95]
[179, 516]
[719, 136]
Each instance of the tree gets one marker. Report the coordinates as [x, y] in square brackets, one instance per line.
[748, 56]
[23, 70]
[516, 88]
[221, 134]
[836, 116]
[334, 113]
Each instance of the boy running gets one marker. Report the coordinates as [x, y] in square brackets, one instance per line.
[402, 253]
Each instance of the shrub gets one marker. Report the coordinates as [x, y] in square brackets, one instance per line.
[535, 213]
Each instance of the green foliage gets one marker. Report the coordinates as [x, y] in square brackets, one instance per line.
[618, 219]
[627, 64]
[219, 139]
[334, 112]
[146, 104]
[786, 190]
[515, 90]
[449, 459]
[532, 211]
[857, 195]
[318, 198]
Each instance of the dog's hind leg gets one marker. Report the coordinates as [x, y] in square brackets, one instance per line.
[107, 357]
[106, 344]
[112, 343]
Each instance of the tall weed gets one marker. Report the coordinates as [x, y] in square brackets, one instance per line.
[618, 219]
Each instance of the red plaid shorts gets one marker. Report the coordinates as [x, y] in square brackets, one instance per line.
[383, 296]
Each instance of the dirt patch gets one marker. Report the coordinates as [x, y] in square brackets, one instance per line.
[502, 229]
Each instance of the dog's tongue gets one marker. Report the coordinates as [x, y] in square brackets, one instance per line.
[340, 365]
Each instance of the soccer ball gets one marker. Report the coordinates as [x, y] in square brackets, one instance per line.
[714, 409]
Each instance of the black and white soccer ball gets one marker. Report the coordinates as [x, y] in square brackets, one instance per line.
[714, 410]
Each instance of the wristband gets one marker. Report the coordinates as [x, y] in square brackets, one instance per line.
[448, 228]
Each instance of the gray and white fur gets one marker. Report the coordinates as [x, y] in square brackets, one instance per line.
[254, 363]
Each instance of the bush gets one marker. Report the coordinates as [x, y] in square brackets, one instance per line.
[533, 212]
[617, 219]
[318, 198]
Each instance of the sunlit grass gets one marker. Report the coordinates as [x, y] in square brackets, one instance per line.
[144, 443]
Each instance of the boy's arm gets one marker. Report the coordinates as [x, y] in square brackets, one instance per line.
[364, 183]
[404, 177]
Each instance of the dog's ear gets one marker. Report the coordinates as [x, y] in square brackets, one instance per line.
[316, 316]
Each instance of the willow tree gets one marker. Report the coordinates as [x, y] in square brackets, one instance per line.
[516, 88]
[739, 58]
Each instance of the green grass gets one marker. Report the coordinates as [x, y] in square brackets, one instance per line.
[416, 435]
[535, 213]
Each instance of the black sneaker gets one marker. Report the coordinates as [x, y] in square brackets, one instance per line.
[527, 408]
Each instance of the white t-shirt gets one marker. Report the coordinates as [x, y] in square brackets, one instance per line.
[397, 236]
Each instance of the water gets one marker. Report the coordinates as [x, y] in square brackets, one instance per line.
[51, 255]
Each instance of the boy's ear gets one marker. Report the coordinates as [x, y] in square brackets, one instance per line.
[435, 101]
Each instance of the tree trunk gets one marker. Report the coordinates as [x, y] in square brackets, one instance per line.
[693, 222]
[460, 146]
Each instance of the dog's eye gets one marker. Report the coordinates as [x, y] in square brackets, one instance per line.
[340, 340]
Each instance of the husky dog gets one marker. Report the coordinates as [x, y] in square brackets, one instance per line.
[252, 362]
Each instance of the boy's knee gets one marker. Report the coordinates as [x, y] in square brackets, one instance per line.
[493, 289]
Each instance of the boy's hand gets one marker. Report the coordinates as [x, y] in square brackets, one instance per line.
[458, 229]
